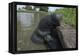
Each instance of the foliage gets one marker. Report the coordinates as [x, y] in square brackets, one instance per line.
[41, 8]
[44, 9]
[69, 15]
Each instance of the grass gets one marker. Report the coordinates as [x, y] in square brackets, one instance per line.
[69, 16]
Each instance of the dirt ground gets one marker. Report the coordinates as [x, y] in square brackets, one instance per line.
[24, 39]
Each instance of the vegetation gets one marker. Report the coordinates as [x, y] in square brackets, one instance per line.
[69, 15]
[41, 8]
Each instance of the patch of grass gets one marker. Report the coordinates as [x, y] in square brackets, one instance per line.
[69, 16]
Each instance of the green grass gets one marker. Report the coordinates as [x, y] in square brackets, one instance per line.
[69, 15]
